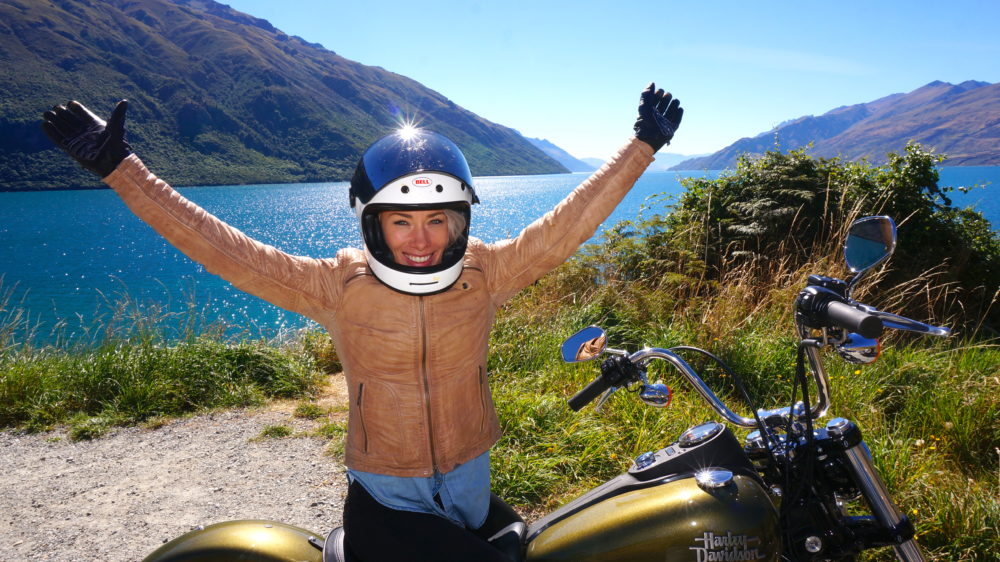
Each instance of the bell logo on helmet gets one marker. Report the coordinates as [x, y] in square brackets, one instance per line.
[422, 182]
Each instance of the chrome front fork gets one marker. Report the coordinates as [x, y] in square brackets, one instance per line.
[872, 488]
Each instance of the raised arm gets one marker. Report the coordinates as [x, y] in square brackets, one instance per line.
[550, 240]
[295, 283]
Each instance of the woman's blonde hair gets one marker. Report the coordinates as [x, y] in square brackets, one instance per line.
[456, 225]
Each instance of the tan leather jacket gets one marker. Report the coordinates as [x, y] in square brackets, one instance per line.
[415, 365]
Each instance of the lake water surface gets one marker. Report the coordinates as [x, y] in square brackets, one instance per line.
[65, 254]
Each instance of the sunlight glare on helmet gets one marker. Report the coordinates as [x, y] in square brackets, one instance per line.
[407, 131]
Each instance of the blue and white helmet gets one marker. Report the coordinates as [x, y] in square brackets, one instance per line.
[412, 169]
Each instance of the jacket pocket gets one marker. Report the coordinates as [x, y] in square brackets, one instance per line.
[390, 428]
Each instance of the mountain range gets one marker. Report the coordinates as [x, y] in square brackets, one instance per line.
[961, 121]
[571, 162]
[664, 160]
[221, 97]
[216, 97]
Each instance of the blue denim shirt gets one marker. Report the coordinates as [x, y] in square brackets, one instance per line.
[461, 496]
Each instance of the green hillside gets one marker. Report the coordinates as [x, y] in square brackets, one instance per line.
[217, 96]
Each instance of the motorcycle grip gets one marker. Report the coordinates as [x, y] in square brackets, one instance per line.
[591, 391]
[850, 318]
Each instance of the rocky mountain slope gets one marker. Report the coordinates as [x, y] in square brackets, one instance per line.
[961, 121]
[571, 162]
[217, 96]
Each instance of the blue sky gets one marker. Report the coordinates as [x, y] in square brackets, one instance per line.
[571, 72]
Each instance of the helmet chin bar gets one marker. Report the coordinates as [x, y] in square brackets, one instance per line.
[414, 283]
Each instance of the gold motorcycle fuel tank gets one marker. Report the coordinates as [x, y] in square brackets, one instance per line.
[674, 520]
[262, 541]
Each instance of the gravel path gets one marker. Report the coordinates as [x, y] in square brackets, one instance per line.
[120, 497]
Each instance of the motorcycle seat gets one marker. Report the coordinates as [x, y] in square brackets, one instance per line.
[503, 528]
[508, 540]
[333, 548]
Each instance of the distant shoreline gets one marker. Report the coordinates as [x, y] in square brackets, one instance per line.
[100, 186]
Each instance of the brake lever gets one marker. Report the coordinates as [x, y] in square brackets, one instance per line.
[890, 320]
[604, 398]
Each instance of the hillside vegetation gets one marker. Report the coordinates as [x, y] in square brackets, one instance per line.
[719, 271]
[217, 97]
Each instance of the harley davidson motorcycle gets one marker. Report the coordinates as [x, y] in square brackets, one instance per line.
[796, 489]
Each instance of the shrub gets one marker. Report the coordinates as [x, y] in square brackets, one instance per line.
[776, 212]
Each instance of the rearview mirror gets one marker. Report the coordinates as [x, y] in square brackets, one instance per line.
[870, 240]
[584, 345]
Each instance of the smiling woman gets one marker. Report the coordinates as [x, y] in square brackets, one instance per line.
[416, 238]
[410, 315]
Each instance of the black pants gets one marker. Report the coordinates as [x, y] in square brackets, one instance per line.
[375, 533]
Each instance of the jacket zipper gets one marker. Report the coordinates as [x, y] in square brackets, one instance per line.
[482, 399]
[361, 416]
[427, 388]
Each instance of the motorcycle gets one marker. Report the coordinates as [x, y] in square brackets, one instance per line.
[791, 491]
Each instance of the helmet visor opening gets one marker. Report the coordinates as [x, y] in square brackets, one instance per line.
[375, 242]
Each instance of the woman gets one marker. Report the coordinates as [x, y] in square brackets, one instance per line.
[410, 314]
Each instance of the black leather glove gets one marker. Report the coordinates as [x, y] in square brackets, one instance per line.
[96, 145]
[659, 116]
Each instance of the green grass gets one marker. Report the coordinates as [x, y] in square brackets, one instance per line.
[928, 408]
[130, 382]
[336, 433]
[275, 432]
[138, 375]
[308, 411]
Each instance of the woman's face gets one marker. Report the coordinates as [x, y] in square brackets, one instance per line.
[416, 238]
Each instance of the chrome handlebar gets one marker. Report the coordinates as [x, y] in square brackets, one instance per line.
[642, 358]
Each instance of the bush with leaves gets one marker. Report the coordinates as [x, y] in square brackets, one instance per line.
[781, 211]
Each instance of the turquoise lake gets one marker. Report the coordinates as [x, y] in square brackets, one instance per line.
[65, 255]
